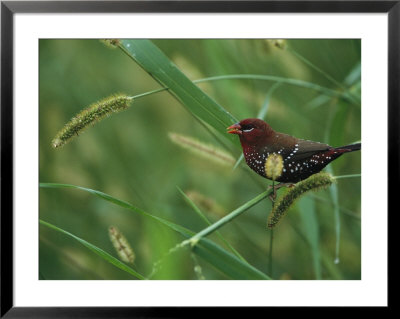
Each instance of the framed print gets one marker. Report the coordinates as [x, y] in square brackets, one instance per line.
[161, 155]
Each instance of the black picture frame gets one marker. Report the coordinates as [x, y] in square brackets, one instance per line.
[9, 8]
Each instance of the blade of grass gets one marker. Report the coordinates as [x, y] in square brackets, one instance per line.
[330, 267]
[337, 135]
[260, 77]
[265, 107]
[278, 79]
[324, 257]
[310, 229]
[106, 256]
[232, 266]
[333, 190]
[224, 220]
[344, 210]
[318, 101]
[205, 219]
[354, 99]
[354, 75]
[336, 212]
[270, 253]
[118, 202]
[157, 64]
[209, 251]
[347, 176]
[313, 66]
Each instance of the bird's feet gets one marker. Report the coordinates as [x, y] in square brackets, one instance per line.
[276, 187]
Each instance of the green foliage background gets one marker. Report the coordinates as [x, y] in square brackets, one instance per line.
[130, 157]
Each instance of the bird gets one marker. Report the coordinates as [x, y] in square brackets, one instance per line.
[297, 158]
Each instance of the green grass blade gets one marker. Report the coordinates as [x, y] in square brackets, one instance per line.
[118, 202]
[222, 259]
[264, 109]
[349, 95]
[336, 212]
[310, 229]
[224, 220]
[106, 256]
[327, 92]
[354, 75]
[279, 79]
[316, 68]
[157, 64]
[205, 219]
[347, 176]
[333, 190]
[212, 253]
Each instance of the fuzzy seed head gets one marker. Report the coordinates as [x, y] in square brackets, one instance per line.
[121, 245]
[274, 166]
[282, 205]
[89, 116]
[204, 150]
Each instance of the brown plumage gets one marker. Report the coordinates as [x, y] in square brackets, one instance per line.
[301, 158]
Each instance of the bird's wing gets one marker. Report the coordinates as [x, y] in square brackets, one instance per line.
[290, 147]
[307, 148]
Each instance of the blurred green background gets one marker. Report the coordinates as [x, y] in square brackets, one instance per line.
[131, 157]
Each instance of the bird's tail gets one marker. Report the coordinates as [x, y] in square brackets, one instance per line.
[350, 148]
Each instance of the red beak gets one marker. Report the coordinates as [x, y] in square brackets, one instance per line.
[234, 129]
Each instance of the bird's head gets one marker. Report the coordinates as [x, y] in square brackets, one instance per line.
[251, 131]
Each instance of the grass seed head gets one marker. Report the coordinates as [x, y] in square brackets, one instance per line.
[282, 205]
[121, 245]
[89, 116]
[204, 150]
[274, 166]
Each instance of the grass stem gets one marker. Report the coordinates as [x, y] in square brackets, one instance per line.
[226, 219]
[347, 176]
[271, 241]
[349, 95]
[260, 77]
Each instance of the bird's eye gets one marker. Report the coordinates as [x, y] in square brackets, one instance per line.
[247, 128]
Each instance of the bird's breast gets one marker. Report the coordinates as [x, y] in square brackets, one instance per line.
[255, 160]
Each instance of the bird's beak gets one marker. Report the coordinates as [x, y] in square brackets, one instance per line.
[235, 129]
